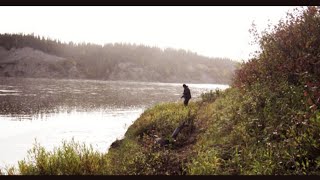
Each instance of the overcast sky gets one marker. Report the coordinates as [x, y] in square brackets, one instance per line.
[214, 31]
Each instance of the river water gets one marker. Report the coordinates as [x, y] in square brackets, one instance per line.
[93, 112]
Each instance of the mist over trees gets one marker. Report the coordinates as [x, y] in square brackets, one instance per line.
[117, 61]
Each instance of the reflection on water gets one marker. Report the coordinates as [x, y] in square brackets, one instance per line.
[98, 128]
[90, 111]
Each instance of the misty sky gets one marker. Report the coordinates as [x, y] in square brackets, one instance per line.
[214, 31]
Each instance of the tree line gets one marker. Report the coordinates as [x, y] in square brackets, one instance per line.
[122, 61]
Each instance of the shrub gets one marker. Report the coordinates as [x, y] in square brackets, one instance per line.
[210, 96]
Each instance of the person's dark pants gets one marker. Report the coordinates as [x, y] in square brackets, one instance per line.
[186, 101]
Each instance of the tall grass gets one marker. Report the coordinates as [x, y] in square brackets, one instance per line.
[71, 158]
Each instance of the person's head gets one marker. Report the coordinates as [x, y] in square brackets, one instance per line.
[184, 85]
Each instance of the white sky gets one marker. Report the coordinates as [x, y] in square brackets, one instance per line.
[214, 31]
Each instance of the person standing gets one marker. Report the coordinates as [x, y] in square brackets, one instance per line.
[186, 94]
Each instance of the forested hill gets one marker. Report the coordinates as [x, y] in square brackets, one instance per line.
[34, 56]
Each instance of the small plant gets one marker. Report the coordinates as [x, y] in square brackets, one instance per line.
[210, 96]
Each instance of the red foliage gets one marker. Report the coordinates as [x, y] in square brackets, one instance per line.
[290, 52]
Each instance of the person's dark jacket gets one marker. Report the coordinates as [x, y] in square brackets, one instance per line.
[186, 93]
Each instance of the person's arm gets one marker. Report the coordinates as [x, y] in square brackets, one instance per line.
[184, 93]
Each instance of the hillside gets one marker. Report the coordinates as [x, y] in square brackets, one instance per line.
[28, 62]
[30, 56]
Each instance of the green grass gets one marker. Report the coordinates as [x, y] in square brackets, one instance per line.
[71, 158]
